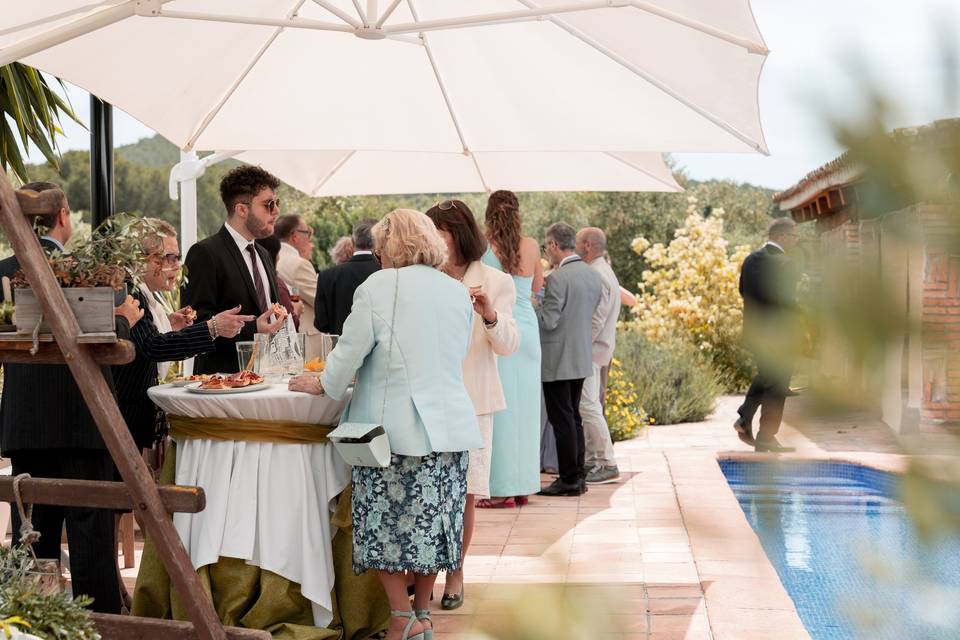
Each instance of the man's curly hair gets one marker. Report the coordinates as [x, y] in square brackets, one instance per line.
[243, 184]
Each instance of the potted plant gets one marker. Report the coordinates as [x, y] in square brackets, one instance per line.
[28, 611]
[94, 276]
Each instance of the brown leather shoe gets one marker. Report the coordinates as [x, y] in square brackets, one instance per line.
[744, 432]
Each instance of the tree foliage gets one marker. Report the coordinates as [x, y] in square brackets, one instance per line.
[30, 112]
[142, 171]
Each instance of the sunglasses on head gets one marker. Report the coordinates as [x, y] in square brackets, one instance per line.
[447, 205]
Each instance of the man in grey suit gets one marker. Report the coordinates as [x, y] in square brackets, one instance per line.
[573, 292]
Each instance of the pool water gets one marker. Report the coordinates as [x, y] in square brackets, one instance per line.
[847, 552]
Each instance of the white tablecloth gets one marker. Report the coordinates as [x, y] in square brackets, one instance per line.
[268, 504]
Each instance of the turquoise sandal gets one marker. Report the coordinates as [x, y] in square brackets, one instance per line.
[412, 618]
[424, 614]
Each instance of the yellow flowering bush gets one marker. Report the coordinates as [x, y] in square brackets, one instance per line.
[625, 417]
[689, 293]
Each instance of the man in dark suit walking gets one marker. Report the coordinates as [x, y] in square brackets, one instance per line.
[46, 430]
[336, 285]
[768, 283]
[566, 316]
[228, 270]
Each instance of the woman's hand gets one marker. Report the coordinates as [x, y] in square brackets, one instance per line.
[265, 326]
[229, 323]
[298, 308]
[182, 318]
[483, 305]
[306, 384]
[130, 309]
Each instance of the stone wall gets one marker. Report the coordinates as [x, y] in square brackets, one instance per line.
[940, 319]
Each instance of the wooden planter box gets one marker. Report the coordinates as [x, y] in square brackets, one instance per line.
[92, 306]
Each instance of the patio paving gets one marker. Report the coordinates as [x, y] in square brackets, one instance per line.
[664, 554]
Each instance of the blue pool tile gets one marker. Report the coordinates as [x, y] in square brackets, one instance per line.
[847, 552]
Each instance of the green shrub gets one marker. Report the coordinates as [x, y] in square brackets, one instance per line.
[673, 383]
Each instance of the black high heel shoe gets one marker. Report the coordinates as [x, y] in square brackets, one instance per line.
[449, 602]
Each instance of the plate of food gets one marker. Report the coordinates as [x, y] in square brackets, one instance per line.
[184, 381]
[241, 382]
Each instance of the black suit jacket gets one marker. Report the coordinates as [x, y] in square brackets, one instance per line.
[335, 289]
[768, 285]
[134, 378]
[42, 407]
[218, 279]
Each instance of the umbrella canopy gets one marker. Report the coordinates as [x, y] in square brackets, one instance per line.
[328, 173]
[439, 76]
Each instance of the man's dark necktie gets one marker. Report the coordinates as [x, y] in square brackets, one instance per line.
[257, 280]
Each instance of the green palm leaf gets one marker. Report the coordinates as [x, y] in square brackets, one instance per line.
[28, 100]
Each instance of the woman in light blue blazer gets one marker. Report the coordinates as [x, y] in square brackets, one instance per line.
[407, 517]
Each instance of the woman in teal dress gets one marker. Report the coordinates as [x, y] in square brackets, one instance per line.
[515, 464]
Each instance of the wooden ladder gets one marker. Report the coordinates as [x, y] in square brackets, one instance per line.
[138, 491]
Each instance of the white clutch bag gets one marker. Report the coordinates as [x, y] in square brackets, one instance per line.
[362, 444]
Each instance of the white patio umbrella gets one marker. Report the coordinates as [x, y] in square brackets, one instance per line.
[463, 78]
[410, 75]
[346, 173]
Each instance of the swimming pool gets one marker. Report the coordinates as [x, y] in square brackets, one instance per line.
[847, 552]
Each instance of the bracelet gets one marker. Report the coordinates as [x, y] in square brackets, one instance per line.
[214, 332]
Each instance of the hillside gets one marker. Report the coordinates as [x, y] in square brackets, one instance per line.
[150, 152]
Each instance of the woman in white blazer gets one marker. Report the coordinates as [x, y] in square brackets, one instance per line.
[408, 517]
[494, 334]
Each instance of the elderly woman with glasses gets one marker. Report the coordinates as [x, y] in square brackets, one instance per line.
[494, 334]
[405, 339]
[161, 336]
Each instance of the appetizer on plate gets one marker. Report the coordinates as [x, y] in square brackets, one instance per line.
[315, 365]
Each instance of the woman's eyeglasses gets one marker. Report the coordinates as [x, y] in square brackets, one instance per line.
[306, 232]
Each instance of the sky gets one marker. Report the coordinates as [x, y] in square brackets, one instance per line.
[821, 51]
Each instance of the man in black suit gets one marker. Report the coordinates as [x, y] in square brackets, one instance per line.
[228, 270]
[336, 285]
[768, 283]
[47, 431]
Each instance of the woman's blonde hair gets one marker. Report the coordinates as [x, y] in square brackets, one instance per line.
[406, 237]
[153, 243]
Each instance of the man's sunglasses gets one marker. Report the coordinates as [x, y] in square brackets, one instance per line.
[269, 205]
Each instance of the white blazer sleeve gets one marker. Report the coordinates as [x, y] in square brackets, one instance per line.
[356, 342]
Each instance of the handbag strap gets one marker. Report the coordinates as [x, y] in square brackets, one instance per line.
[393, 317]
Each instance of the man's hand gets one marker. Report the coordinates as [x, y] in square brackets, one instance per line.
[265, 326]
[130, 309]
[230, 322]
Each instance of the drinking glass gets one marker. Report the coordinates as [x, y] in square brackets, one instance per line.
[245, 353]
[328, 341]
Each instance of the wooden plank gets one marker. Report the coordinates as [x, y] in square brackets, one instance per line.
[48, 353]
[84, 338]
[104, 410]
[39, 204]
[113, 627]
[99, 494]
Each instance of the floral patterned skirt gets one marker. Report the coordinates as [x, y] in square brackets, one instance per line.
[409, 516]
